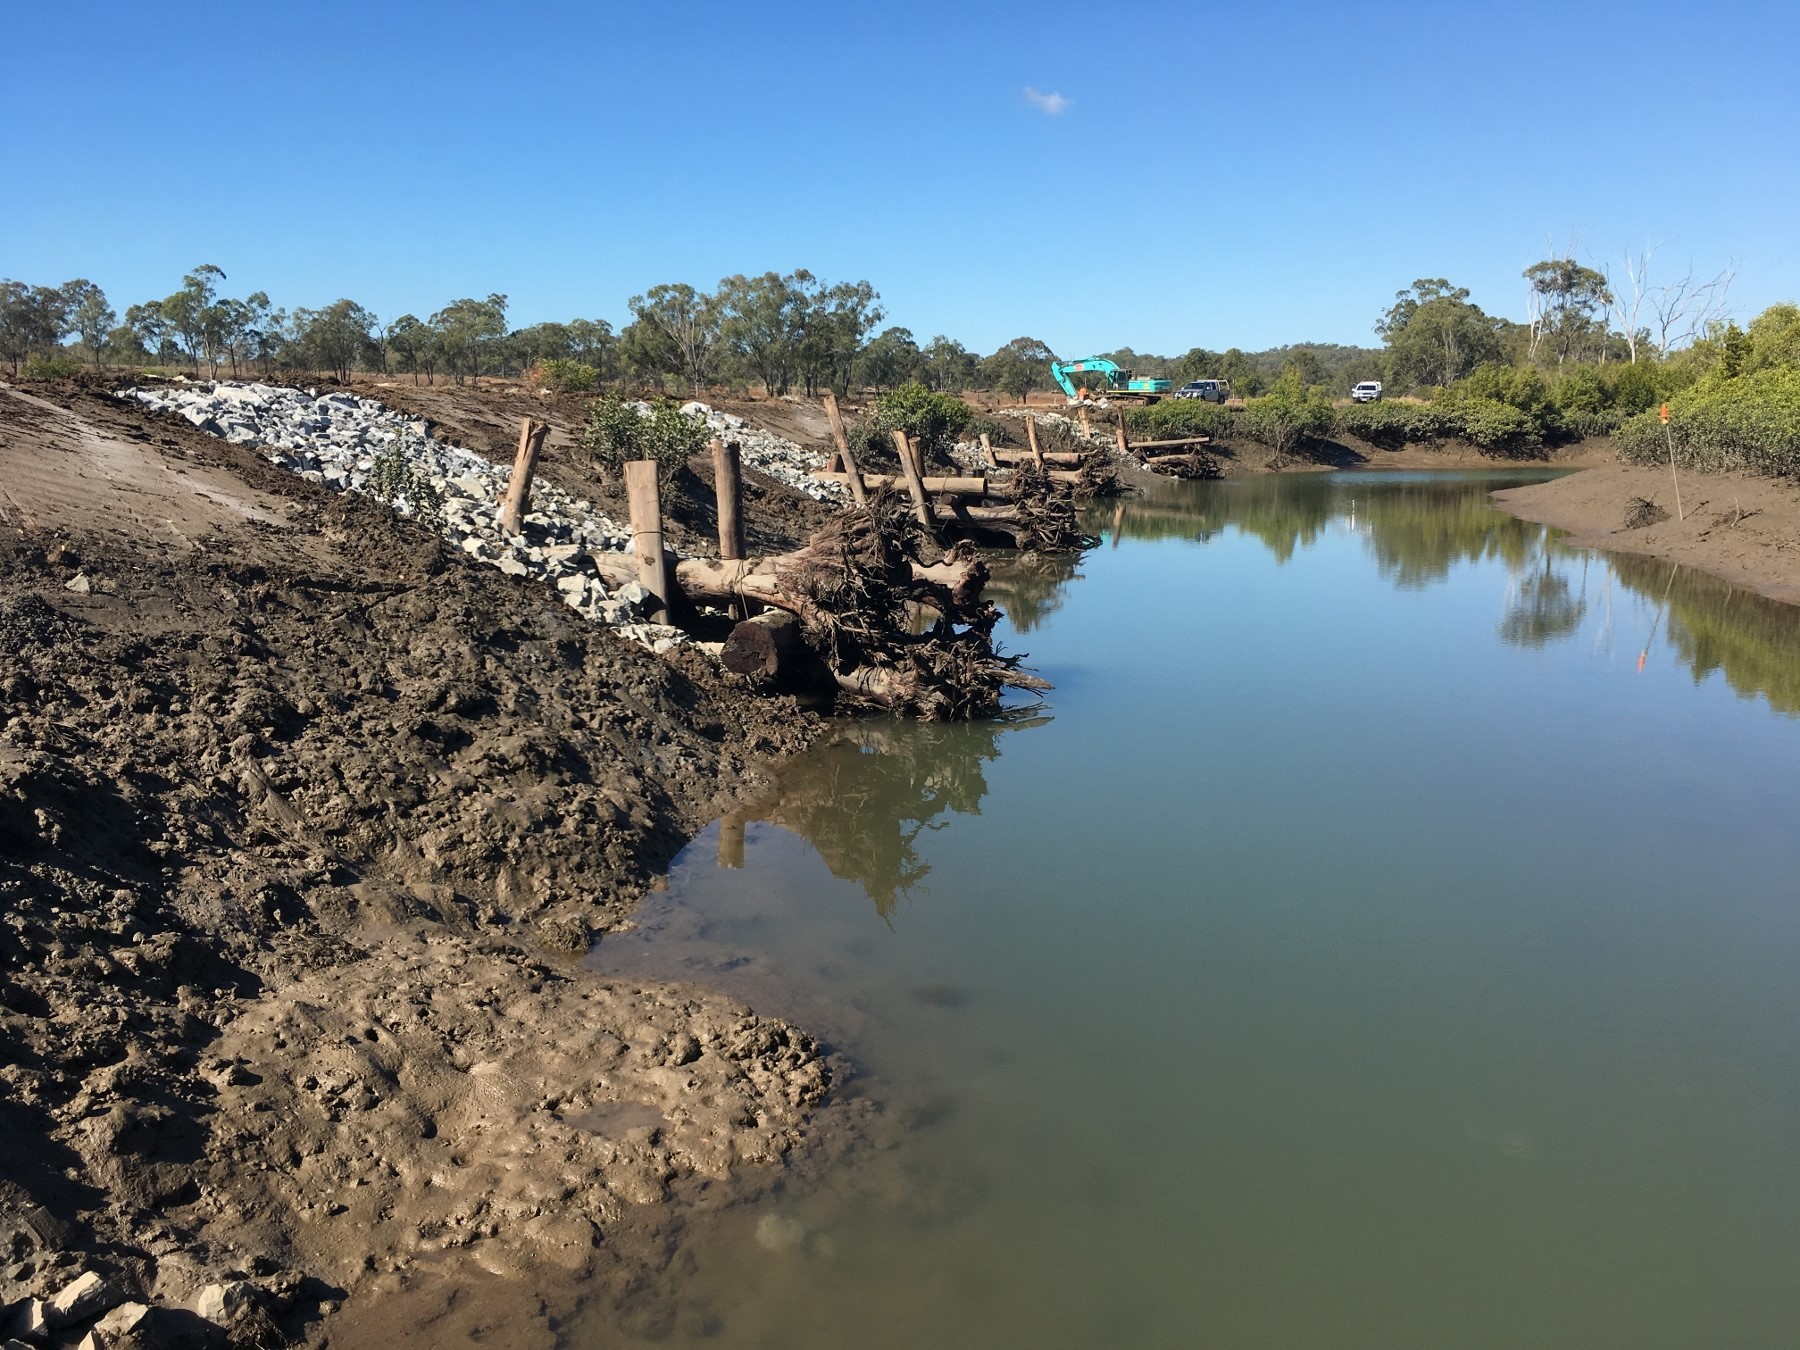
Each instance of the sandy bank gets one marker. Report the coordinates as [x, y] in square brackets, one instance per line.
[1741, 528]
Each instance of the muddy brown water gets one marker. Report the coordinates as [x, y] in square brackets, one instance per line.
[1384, 936]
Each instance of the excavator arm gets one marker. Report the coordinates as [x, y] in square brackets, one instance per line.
[1061, 370]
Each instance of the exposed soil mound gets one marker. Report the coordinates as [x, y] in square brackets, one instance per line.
[297, 811]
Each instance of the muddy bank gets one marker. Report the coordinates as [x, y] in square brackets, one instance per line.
[304, 824]
[1739, 527]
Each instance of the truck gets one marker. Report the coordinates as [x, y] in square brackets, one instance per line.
[1121, 384]
[1212, 391]
[1366, 392]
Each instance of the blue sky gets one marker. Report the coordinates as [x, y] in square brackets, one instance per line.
[1204, 174]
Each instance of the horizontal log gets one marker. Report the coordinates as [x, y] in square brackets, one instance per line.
[961, 487]
[985, 515]
[960, 580]
[1068, 459]
[767, 646]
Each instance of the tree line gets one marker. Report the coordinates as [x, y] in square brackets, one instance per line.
[786, 333]
[796, 332]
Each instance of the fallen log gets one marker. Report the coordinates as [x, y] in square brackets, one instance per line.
[962, 487]
[1193, 465]
[1066, 459]
[855, 590]
[767, 646]
[957, 581]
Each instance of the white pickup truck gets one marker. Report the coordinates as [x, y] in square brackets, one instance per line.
[1366, 392]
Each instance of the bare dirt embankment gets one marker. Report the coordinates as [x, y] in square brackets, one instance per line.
[1740, 527]
[304, 823]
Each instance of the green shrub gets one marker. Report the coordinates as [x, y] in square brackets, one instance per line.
[1520, 387]
[397, 480]
[50, 368]
[1177, 417]
[562, 376]
[1578, 426]
[1491, 426]
[1289, 414]
[934, 419]
[1393, 425]
[617, 433]
[1751, 422]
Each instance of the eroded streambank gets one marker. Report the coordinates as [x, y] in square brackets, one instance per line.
[304, 825]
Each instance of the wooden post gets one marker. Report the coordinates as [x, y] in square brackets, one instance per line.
[1086, 428]
[728, 484]
[913, 485]
[918, 456]
[644, 494]
[1124, 441]
[1037, 454]
[843, 449]
[987, 451]
[518, 488]
[731, 841]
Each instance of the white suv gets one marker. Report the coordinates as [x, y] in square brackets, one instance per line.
[1366, 392]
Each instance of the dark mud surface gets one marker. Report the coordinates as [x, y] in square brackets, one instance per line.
[304, 823]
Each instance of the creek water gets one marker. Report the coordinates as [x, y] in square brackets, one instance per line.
[1385, 935]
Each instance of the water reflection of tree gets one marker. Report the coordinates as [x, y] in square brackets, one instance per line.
[1417, 529]
[1543, 608]
[1715, 626]
[863, 801]
[1029, 588]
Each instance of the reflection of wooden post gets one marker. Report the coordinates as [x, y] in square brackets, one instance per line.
[644, 494]
[987, 451]
[728, 484]
[1124, 443]
[843, 449]
[518, 488]
[731, 841]
[1037, 453]
[1086, 428]
[913, 485]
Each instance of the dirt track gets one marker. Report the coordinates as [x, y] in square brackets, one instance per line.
[303, 824]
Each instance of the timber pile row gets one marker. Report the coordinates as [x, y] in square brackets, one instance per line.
[1178, 457]
[1032, 498]
[859, 606]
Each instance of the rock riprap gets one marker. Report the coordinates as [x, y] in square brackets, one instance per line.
[354, 444]
[766, 452]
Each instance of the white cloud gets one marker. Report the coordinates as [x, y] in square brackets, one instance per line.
[1053, 104]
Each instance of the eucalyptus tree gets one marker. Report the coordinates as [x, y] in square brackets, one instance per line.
[32, 319]
[338, 338]
[193, 316]
[687, 322]
[890, 359]
[88, 316]
[1568, 306]
[152, 330]
[1019, 367]
[412, 346]
[467, 330]
[947, 366]
[1434, 336]
[593, 343]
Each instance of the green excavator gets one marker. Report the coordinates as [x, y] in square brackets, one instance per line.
[1121, 384]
